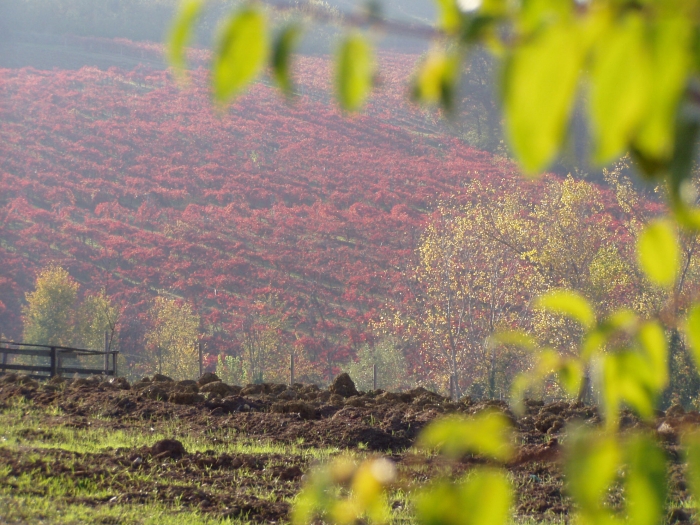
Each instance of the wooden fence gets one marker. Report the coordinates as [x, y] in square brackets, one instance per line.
[50, 361]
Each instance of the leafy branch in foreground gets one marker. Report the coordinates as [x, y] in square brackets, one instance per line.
[636, 60]
[635, 63]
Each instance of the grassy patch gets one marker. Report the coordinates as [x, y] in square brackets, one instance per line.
[47, 510]
[28, 426]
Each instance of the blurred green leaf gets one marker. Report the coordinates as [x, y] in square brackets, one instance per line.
[487, 497]
[692, 331]
[535, 14]
[355, 68]
[687, 131]
[653, 340]
[241, 52]
[436, 79]
[284, 46]
[610, 390]
[547, 362]
[514, 337]
[670, 40]
[570, 304]
[476, 28]
[484, 497]
[540, 81]
[495, 8]
[658, 252]
[622, 320]
[591, 463]
[440, 504]
[691, 446]
[181, 33]
[449, 15]
[368, 489]
[570, 376]
[628, 378]
[593, 342]
[364, 493]
[620, 86]
[314, 496]
[487, 433]
[646, 484]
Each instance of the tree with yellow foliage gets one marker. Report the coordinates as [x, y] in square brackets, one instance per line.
[172, 337]
[639, 206]
[465, 287]
[263, 350]
[96, 316]
[50, 313]
[569, 239]
[481, 264]
[55, 316]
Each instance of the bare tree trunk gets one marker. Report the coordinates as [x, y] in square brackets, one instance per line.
[584, 391]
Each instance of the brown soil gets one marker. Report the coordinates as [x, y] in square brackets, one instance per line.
[305, 416]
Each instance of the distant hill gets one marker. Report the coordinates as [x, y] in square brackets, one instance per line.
[416, 11]
[145, 189]
[150, 20]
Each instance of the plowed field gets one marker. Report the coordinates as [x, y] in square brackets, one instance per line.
[89, 450]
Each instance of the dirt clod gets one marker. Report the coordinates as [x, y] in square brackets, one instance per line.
[185, 398]
[120, 382]
[343, 386]
[217, 388]
[675, 410]
[207, 377]
[679, 515]
[156, 393]
[288, 474]
[169, 447]
[304, 410]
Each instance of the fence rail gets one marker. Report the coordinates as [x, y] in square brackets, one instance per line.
[14, 358]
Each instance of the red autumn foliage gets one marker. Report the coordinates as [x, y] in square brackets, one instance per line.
[144, 188]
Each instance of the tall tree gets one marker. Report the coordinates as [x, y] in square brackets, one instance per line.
[262, 345]
[96, 316]
[464, 288]
[639, 204]
[50, 313]
[172, 338]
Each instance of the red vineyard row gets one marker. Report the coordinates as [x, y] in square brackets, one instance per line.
[143, 188]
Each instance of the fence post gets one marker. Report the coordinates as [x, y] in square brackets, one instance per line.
[291, 369]
[374, 376]
[4, 361]
[54, 362]
[114, 362]
[106, 356]
[199, 350]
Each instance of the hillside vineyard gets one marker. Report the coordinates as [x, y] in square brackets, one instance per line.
[144, 188]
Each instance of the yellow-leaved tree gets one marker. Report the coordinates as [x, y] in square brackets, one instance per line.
[569, 240]
[54, 315]
[173, 338]
[263, 351]
[96, 316]
[638, 206]
[463, 288]
[50, 313]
